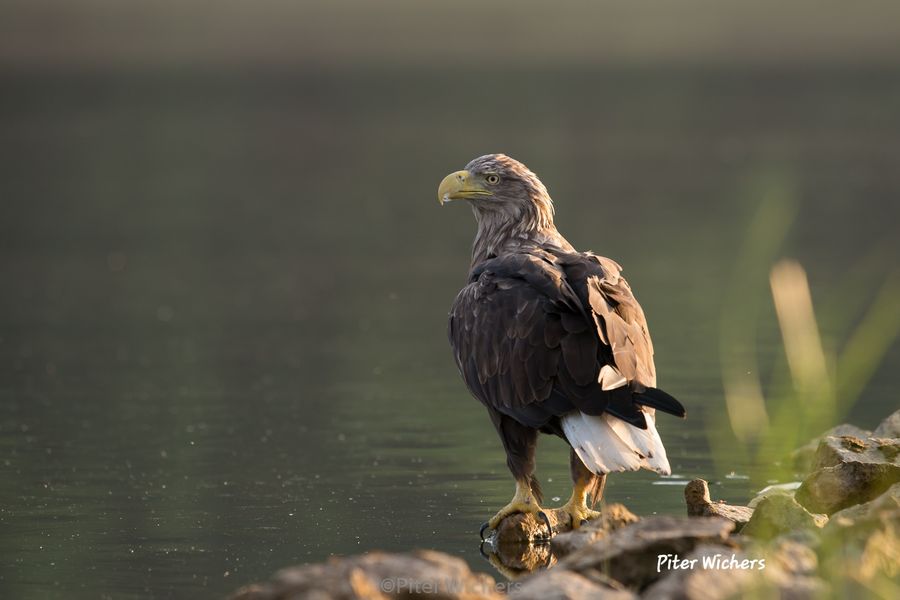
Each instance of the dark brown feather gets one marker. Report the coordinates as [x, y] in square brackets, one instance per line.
[532, 329]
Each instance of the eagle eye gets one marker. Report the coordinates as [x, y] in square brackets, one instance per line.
[492, 179]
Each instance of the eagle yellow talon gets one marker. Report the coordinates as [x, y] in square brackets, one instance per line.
[523, 502]
[584, 485]
[579, 513]
[512, 508]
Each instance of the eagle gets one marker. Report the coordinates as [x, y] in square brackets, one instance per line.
[551, 340]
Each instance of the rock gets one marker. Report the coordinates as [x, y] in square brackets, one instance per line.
[793, 557]
[779, 514]
[560, 584]
[377, 575]
[792, 568]
[519, 529]
[788, 586]
[519, 547]
[863, 541]
[890, 427]
[630, 554]
[888, 502]
[808, 538]
[614, 516]
[836, 450]
[831, 489]
[514, 556]
[526, 528]
[784, 489]
[699, 504]
[851, 470]
[802, 458]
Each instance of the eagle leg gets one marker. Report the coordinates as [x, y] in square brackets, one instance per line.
[520, 443]
[584, 484]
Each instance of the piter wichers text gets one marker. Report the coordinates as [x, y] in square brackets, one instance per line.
[671, 562]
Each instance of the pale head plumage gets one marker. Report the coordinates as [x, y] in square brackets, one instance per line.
[518, 194]
[518, 212]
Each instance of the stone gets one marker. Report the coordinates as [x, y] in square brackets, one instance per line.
[802, 458]
[792, 556]
[700, 504]
[834, 488]
[788, 586]
[613, 517]
[890, 427]
[851, 470]
[560, 584]
[377, 576]
[630, 554]
[513, 553]
[836, 450]
[526, 528]
[864, 540]
[520, 528]
[888, 502]
[778, 514]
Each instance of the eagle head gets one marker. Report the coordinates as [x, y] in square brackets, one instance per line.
[501, 188]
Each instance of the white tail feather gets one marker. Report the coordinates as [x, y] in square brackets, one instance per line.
[605, 443]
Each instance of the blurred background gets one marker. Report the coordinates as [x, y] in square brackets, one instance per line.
[226, 276]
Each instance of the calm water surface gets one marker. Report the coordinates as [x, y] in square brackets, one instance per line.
[222, 335]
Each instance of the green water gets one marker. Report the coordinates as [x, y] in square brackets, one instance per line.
[222, 324]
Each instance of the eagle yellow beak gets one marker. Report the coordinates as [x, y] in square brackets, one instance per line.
[460, 186]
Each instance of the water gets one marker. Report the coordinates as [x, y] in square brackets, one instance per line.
[222, 335]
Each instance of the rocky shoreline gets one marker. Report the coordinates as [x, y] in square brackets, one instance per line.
[836, 533]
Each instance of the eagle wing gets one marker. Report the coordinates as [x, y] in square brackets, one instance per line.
[532, 331]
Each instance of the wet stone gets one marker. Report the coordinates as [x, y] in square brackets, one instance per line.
[526, 528]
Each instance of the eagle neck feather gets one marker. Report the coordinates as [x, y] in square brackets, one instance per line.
[500, 232]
